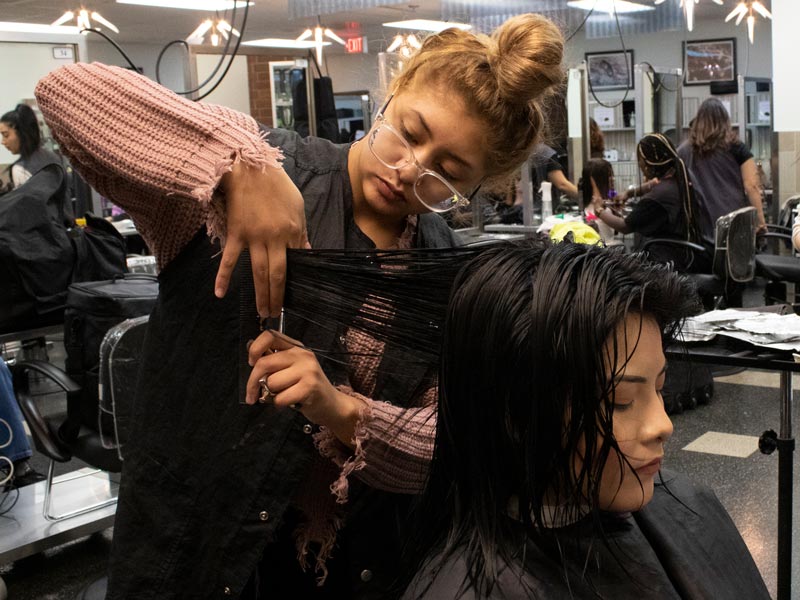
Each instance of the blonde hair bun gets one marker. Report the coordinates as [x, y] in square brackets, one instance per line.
[526, 57]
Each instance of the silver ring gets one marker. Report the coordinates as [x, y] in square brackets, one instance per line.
[267, 394]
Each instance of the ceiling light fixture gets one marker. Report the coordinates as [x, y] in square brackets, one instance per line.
[84, 19]
[283, 43]
[610, 6]
[206, 5]
[688, 10]
[404, 44]
[220, 29]
[10, 26]
[316, 35]
[746, 7]
[427, 25]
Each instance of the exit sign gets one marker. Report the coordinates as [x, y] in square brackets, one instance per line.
[356, 45]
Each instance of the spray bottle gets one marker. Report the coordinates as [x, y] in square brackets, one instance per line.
[546, 190]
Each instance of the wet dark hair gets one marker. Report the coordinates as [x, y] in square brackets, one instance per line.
[525, 344]
[601, 171]
[23, 120]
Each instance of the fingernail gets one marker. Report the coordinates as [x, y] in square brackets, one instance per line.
[218, 292]
[249, 343]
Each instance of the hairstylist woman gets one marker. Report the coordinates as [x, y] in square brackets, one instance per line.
[215, 493]
[39, 170]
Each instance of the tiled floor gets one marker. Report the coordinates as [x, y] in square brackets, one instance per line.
[744, 479]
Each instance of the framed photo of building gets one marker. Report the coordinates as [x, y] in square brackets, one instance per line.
[610, 70]
[709, 60]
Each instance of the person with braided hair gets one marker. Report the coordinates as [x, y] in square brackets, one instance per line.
[668, 210]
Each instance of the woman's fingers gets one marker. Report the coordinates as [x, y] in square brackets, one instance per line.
[233, 248]
[277, 279]
[260, 264]
[270, 341]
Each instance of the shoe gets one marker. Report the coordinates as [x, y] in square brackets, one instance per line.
[25, 475]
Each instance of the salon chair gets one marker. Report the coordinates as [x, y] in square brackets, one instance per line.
[97, 447]
[780, 270]
[733, 261]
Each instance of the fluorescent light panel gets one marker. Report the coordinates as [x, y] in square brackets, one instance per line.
[283, 43]
[206, 5]
[610, 6]
[37, 28]
[426, 25]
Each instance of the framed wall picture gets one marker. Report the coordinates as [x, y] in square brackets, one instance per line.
[610, 70]
[709, 60]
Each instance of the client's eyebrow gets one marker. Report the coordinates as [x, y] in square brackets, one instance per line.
[638, 378]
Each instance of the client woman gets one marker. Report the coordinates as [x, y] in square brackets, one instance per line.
[546, 480]
[39, 170]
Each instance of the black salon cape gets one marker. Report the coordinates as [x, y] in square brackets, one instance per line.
[36, 256]
[683, 544]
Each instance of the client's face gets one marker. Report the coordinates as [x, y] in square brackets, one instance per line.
[641, 425]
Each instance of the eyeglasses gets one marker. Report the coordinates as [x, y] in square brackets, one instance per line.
[392, 149]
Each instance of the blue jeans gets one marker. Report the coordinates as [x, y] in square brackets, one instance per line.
[9, 411]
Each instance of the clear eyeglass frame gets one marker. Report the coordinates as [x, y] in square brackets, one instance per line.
[450, 200]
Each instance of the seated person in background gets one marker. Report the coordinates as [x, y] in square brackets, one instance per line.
[667, 210]
[39, 170]
[597, 187]
[546, 478]
[16, 451]
[796, 233]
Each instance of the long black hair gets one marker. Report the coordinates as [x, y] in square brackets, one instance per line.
[524, 345]
[659, 158]
[23, 120]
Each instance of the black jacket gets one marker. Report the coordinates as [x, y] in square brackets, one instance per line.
[207, 480]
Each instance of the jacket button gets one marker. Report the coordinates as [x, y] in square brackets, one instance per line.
[366, 575]
[307, 428]
[263, 515]
[227, 591]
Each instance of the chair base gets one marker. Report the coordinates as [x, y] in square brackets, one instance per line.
[48, 496]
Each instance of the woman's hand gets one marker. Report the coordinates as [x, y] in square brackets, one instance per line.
[294, 378]
[265, 214]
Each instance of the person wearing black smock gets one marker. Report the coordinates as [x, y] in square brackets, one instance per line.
[38, 174]
[668, 210]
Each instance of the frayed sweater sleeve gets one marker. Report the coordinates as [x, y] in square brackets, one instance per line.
[155, 154]
[393, 447]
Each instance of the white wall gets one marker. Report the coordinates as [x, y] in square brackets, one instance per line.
[786, 17]
[664, 49]
[23, 64]
[353, 72]
[233, 91]
[145, 56]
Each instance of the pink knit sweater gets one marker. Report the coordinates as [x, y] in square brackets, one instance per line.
[160, 157]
